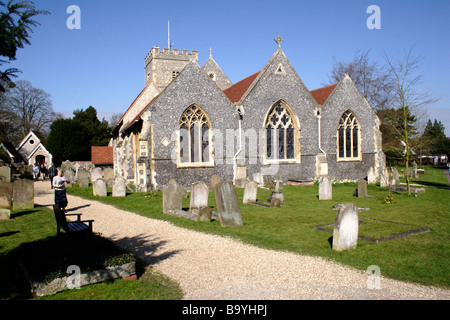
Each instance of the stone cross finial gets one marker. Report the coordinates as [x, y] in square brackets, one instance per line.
[278, 40]
[210, 51]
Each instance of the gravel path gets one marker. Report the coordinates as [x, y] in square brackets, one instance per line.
[212, 267]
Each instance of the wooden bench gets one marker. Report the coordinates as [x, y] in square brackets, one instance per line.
[78, 226]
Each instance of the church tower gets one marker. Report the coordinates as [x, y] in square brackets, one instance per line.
[162, 67]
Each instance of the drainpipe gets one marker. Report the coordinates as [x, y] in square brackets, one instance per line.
[240, 144]
[318, 118]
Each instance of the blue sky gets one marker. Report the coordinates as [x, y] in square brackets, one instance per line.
[102, 64]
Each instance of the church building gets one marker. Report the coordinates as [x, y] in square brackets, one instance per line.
[190, 122]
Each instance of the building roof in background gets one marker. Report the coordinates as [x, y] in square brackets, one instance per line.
[102, 155]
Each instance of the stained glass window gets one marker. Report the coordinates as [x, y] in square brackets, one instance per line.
[280, 133]
[194, 136]
[348, 136]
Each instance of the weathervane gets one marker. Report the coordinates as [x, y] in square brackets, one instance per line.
[278, 40]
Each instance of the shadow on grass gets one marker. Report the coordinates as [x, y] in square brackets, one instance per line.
[50, 257]
[432, 184]
[18, 214]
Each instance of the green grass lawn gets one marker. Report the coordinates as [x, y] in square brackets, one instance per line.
[420, 258]
[31, 234]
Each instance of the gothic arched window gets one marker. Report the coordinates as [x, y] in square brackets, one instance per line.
[281, 133]
[349, 140]
[195, 137]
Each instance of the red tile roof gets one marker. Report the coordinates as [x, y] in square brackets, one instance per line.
[321, 94]
[236, 91]
[102, 155]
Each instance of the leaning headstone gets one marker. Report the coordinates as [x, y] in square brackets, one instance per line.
[205, 214]
[5, 174]
[119, 187]
[199, 196]
[108, 176]
[362, 188]
[83, 178]
[23, 194]
[173, 194]
[346, 227]
[215, 179]
[6, 194]
[325, 189]
[96, 173]
[99, 188]
[227, 204]
[250, 192]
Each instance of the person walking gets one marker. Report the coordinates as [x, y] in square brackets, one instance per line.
[60, 190]
[52, 172]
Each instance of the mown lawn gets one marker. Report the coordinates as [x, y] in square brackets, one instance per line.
[35, 231]
[423, 258]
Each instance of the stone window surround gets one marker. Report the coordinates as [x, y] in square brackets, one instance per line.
[294, 120]
[349, 159]
[209, 163]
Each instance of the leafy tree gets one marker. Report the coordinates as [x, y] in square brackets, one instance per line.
[71, 139]
[16, 22]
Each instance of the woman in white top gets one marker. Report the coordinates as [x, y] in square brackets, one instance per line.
[60, 190]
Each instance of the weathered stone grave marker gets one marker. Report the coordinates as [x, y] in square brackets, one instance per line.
[23, 194]
[227, 204]
[277, 194]
[173, 194]
[199, 196]
[119, 187]
[108, 176]
[83, 178]
[214, 180]
[346, 226]
[6, 194]
[5, 174]
[362, 188]
[99, 188]
[96, 173]
[250, 192]
[325, 189]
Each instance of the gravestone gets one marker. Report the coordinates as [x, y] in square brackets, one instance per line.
[362, 188]
[83, 178]
[414, 173]
[5, 174]
[108, 176]
[173, 194]
[205, 214]
[346, 227]
[384, 178]
[215, 179]
[70, 175]
[96, 173]
[6, 194]
[395, 177]
[371, 176]
[325, 189]
[119, 187]
[240, 183]
[258, 178]
[250, 192]
[276, 194]
[227, 204]
[199, 196]
[268, 181]
[99, 188]
[275, 203]
[23, 194]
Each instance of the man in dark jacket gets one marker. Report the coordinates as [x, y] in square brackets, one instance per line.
[52, 172]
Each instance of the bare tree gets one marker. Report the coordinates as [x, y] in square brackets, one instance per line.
[24, 108]
[372, 80]
[409, 102]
